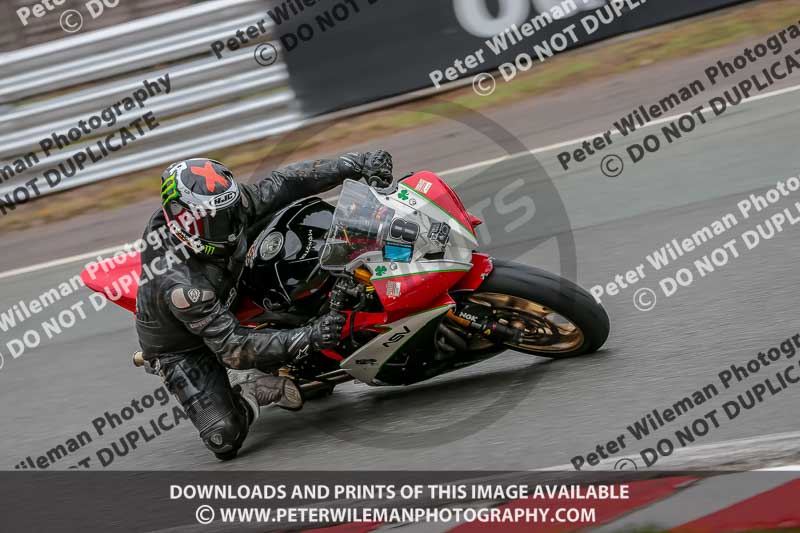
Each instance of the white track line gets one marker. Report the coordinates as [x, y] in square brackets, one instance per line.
[707, 452]
[559, 146]
[60, 262]
[457, 170]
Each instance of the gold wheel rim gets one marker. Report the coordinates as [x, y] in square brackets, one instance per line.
[544, 330]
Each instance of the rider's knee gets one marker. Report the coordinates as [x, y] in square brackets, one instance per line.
[225, 436]
[219, 413]
[222, 419]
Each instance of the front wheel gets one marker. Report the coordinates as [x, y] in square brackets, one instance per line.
[556, 318]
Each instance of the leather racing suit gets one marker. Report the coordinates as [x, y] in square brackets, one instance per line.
[187, 330]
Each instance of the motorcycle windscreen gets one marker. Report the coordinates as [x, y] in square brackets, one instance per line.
[360, 225]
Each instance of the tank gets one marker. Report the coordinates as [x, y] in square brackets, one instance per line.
[282, 271]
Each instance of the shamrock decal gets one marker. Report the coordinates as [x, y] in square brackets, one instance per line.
[380, 271]
[403, 195]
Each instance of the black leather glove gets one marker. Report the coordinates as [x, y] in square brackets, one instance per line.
[326, 331]
[378, 165]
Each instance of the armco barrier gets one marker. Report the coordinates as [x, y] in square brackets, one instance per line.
[374, 52]
[213, 103]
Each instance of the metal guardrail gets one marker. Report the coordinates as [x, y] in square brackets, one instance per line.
[47, 89]
[15, 35]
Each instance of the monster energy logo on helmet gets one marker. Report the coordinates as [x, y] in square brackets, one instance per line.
[169, 189]
[203, 206]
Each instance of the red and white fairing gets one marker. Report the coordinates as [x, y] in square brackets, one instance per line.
[415, 293]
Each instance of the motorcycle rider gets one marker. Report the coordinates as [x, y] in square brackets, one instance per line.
[186, 328]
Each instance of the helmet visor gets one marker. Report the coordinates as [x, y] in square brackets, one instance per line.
[220, 227]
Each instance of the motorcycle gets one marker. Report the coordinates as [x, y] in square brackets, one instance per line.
[402, 264]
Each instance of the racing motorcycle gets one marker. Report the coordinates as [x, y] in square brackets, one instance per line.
[402, 265]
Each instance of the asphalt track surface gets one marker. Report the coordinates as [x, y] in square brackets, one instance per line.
[513, 412]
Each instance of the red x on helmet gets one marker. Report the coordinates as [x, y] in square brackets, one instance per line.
[202, 205]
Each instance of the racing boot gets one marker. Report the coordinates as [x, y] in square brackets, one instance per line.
[259, 390]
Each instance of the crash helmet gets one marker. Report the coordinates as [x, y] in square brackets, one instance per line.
[202, 204]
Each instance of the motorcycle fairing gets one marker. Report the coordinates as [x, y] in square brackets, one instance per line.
[424, 217]
[402, 294]
[428, 217]
[482, 266]
[366, 363]
[437, 193]
[116, 279]
[442, 244]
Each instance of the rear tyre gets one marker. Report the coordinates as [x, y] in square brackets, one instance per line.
[558, 319]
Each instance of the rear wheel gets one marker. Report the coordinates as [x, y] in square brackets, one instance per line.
[555, 317]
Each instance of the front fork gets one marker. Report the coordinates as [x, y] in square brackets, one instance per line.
[482, 266]
[488, 328]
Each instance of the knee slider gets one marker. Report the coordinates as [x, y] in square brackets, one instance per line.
[201, 385]
[221, 420]
[227, 434]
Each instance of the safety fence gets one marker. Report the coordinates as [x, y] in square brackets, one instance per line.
[47, 91]
[340, 55]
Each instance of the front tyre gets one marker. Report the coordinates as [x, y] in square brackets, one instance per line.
[557, 318]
